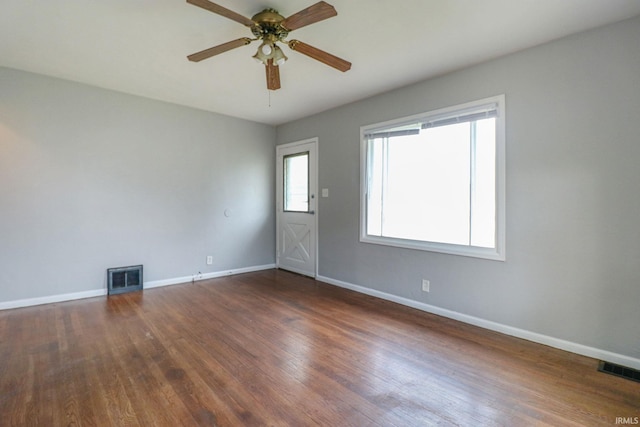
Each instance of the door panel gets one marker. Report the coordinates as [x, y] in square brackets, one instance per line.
[296, 205]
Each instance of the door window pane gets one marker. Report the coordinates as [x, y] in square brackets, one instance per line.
[296, 182]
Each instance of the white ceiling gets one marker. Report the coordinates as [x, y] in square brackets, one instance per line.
[140, 46]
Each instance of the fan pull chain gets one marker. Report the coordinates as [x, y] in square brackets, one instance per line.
[269, 97]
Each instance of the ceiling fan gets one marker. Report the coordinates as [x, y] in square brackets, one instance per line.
[270, 27]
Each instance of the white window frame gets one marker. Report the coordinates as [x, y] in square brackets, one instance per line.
[497, 253]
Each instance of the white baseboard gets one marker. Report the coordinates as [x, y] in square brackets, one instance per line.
[205, 276]
[569, 346]
[51, 299]
[147, 285]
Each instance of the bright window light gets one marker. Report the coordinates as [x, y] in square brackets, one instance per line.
[435, 181]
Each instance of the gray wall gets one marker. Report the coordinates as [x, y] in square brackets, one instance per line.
[572, 267]
[92, 179]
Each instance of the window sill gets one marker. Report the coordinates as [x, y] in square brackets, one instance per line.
[493, 254]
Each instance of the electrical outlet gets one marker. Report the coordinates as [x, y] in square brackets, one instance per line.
[425, 285]
[209, 260]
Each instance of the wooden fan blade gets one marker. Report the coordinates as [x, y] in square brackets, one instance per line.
[215, 8]
[273, 75]
[212, 51]
[317, 12]
[320, 55]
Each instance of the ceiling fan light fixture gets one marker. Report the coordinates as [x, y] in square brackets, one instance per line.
[266, 48]
[279, 57]
[261, 57]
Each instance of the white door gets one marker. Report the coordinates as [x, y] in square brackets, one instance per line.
[296, 225]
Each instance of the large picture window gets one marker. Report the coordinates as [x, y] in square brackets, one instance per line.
[436, 181]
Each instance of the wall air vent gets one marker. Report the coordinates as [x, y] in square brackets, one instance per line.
[124, 279]
[619, 371]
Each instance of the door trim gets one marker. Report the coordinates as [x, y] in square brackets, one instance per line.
[279, 197]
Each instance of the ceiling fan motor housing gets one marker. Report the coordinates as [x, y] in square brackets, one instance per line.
[268, 26]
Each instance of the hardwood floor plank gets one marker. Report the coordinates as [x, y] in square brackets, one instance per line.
[259, 369]
[275, 348]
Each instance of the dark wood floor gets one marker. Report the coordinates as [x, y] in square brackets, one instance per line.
[274, 348]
